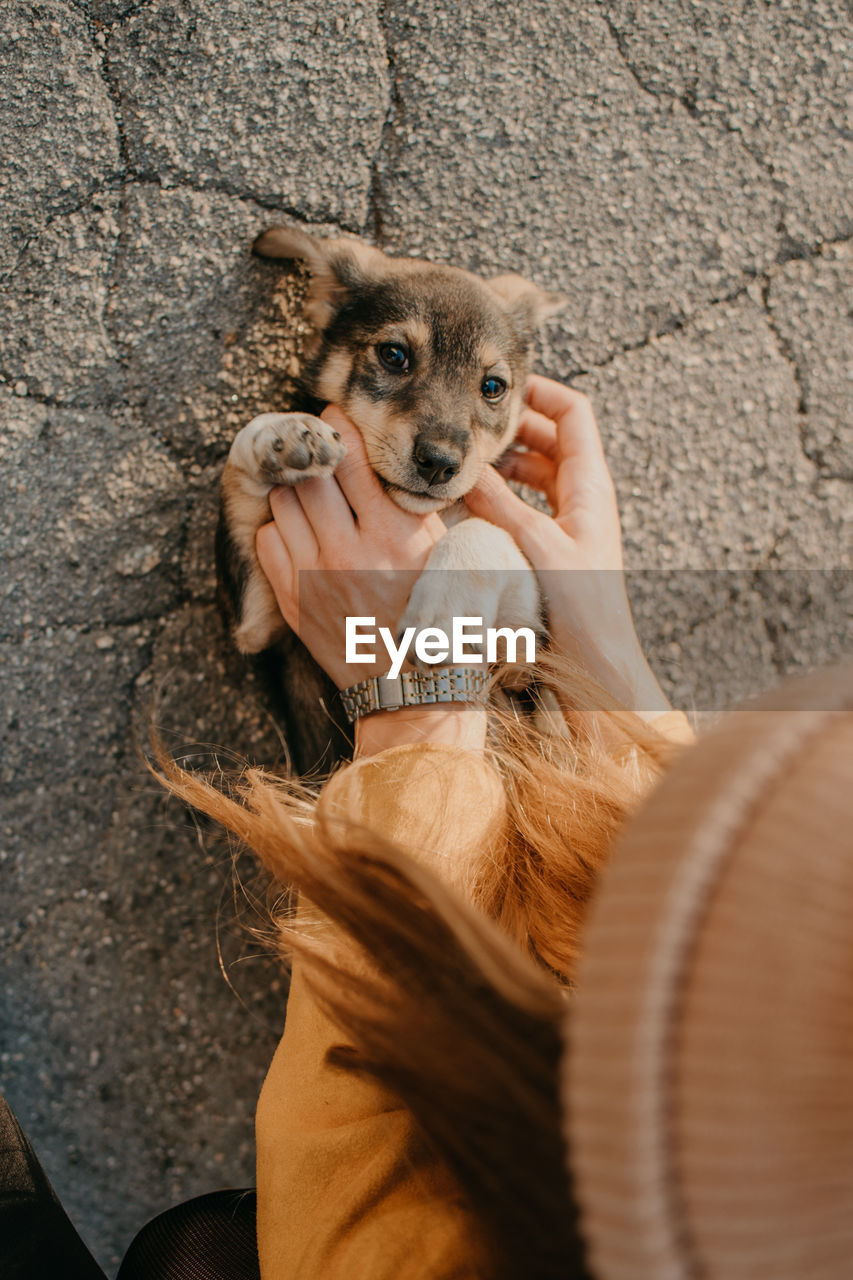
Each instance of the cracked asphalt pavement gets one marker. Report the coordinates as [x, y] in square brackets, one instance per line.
[681, 173]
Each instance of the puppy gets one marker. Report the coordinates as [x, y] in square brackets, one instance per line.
[429, 362]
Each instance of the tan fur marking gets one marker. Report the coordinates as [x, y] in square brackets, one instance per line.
[262, 623]
[513, 289]
[335, 374]
[246, 508]
[411, 331]
[492, 358]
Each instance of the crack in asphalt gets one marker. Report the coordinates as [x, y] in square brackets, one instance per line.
[109, 184]
[676, 323]
[101, 46]
[687, 99]
[324, 216]
[108, 23]
[130, 174]
[813, 453]
[785, 351]
[621, 46]
[374, 222]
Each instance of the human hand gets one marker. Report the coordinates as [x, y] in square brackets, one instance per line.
[370, 552]
[365, 550]
[577, 551]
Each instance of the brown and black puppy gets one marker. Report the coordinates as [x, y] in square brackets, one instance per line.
[429, 362]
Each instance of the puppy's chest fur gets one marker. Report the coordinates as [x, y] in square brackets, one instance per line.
[429, 363]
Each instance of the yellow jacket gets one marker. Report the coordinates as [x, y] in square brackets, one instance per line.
[346, 1189]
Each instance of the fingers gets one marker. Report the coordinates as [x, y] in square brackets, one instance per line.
[538, 433]
[326, 509]
[493, 500]
[582, 482]
[571, 411]
[550, 398]
[531, 469]
[356, 477]
[294, 529]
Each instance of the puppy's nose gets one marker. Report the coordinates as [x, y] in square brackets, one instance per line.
[436, 463]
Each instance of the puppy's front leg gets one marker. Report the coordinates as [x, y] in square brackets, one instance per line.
[275, 448]
[475, 570]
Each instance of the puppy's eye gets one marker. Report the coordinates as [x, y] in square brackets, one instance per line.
[393, 356]
[493, 388]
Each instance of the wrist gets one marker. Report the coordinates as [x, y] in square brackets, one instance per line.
[615, 659]
[625, 674]
[645, 696]
[594, 627]
[455, 724]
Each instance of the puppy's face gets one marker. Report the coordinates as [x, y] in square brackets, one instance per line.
[431, 369]
[429, 362]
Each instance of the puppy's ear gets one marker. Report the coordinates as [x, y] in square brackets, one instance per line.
[526, 300]
[337, 268]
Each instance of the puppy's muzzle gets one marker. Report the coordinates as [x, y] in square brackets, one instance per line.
[437, 462]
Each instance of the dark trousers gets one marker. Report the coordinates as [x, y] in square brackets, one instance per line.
[209, 1238]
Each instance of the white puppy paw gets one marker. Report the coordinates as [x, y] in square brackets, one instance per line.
[440, 602]
[474, 572]
[284, 448]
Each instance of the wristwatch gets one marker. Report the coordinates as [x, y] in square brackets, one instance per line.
[414, 689]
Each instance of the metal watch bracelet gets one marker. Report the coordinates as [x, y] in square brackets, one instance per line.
[414, 689]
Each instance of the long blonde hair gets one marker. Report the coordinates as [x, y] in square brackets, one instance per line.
[459, 1007]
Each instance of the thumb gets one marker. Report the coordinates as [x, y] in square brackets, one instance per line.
[493, 500]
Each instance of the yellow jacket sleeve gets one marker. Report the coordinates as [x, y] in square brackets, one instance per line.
[346, 1189]
[675, 726]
